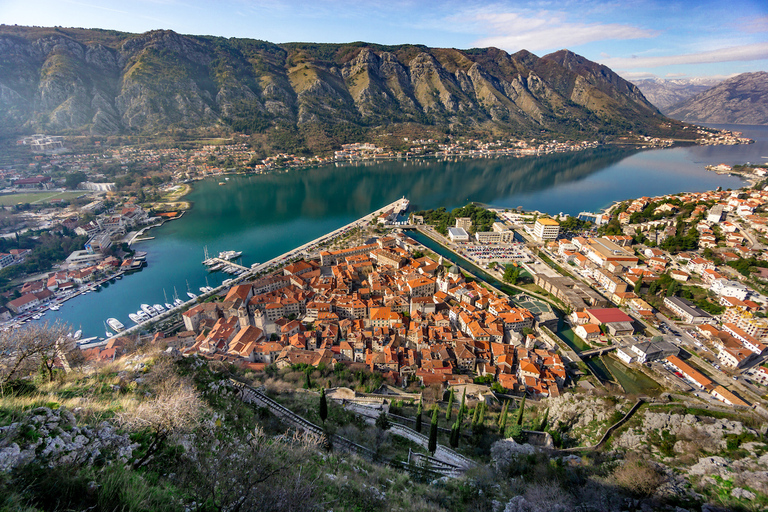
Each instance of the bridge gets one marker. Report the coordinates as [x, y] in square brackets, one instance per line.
[596, 352]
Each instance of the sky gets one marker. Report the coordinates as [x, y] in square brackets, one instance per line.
[635, 38]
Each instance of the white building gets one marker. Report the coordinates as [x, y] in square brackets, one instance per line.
[546, 229]
[715, 214]
[726, 288]
[458, 235]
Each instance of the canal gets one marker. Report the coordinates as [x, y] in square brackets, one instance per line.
[605, 368]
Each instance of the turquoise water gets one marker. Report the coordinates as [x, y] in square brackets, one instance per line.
[266, 215]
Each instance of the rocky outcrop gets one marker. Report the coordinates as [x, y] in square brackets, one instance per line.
[742, 99]
[52, 437]
[690, 432]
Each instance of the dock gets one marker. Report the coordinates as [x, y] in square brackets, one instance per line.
[229, 263]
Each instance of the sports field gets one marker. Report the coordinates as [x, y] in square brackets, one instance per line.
[38, 197]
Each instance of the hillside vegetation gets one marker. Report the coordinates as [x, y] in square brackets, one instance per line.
[156, 431]
[75, 81]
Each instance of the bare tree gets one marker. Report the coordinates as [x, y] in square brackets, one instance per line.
[24, 351]
[176, 408]
[222, 471]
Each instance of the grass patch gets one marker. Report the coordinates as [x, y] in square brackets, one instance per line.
[37, 197]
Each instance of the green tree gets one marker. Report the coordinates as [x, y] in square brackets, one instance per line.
[463, 407]
[516, 433]
[520, 411]
[307, 381]
[323, 406]
[481, 419]
[543, 424]
[432, 445]
[511, 274]
[503, 418]
[382, 421]
[418, 417]
[449, 410]
[455, 434]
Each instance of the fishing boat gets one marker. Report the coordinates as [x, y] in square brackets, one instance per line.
[115, 324]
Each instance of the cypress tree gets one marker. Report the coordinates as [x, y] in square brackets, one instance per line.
[307, 382]
[481, 419]
[463, 408]
[543, 424]
[503, 425]
[520, 411]
[504, 410]
[432, 445]
[418, 417]
[449, 411]
[455, 434]
[475, 415]
[323, 406]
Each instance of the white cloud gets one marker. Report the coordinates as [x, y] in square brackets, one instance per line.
[756, 51]
[547, 30]
[755, 25]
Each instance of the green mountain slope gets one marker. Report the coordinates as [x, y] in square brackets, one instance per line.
[104, 82]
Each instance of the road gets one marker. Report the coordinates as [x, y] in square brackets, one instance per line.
[716, 375]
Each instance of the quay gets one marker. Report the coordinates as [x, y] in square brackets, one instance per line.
[267, 265]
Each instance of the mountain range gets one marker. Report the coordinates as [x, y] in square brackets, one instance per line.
[89, 81]
[666, 92]
[742, 99]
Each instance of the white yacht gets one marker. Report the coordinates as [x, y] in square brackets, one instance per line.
[135, 318]
[159, 308]
[115, 324]
[149, 310]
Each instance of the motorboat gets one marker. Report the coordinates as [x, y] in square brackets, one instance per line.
[135, 318]
[159, 308]
[149, 310]
[191, 295]
[168, 306]
[178, 302]
[230, 255]
[115, 324]
[78, 334]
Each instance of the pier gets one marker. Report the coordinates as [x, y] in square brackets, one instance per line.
[228, 263]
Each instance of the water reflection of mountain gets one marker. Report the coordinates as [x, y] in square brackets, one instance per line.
[356, 189]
